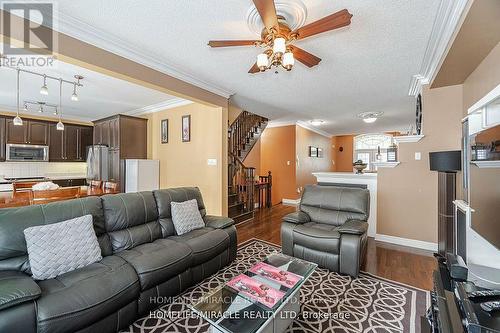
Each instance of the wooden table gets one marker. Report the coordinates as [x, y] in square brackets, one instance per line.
[8, 199]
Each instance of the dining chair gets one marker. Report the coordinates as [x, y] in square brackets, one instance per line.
[22, 186]
[95, 183]
[64, 193]
[110, 186]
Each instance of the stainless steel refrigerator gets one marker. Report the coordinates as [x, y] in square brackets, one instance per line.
[97, 162]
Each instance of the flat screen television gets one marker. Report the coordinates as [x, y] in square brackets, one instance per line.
[484, 184]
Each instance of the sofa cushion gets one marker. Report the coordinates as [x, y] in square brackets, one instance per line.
[13, 221]
[205, 243]
[165, 197]
[335, 205]
[158, 261]
[61, 247]
[186, 216]
[16, 288]
[317, 236]
[75, 300]
[131, 219]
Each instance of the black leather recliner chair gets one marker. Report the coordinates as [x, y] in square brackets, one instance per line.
[330, 228]
[144, 262]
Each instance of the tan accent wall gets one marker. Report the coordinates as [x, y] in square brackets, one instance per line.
[278, 156]
[233, 113]
[253, 159]
[307, 165]
[185, 163]
[407, 194]
[343, 159]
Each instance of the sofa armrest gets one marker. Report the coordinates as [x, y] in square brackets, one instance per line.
[297, 218]
[353, 227]
[17, 288]
[218, 222]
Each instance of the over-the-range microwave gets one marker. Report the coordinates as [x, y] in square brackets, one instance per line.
[28, 153]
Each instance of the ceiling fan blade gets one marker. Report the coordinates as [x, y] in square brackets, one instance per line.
[331, 22]
[308, 59]
[267, 12]
[225, 43]
[254, 69]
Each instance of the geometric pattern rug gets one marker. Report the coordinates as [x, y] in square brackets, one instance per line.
[330, 302]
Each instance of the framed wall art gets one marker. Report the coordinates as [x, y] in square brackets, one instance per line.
[164, 131]
[186, 128]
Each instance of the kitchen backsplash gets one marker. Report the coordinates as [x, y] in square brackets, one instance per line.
[39, 169]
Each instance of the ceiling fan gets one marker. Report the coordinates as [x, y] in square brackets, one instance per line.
[277, 38]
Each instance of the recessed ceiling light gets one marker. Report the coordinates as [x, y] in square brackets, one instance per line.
[316, 122]
[370, 117]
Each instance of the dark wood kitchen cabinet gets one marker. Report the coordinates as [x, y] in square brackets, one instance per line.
[126, 138]
[2, 139]
[69, 145]
[32, 132]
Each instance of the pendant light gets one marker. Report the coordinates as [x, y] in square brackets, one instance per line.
[44, 90]
[17, 120]
[60, 125]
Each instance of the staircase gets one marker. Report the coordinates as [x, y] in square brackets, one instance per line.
[242, 136]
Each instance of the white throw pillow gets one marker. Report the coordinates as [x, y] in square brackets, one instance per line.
[186, 216]
[54, 249]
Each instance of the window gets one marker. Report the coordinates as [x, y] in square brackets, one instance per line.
[366, 148]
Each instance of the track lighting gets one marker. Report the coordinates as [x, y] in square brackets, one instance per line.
[44, 90]
[74, 96]
[17, 120]
[60, 125]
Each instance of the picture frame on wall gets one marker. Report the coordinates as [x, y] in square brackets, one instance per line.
[320, 152]
[164, 131]
[186, 128]
[313, 151]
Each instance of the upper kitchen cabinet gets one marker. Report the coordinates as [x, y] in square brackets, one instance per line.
[71, 144]
[32, 132]
[126, 134]
[2, 139]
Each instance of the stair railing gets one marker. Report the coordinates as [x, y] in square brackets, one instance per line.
[241, 181]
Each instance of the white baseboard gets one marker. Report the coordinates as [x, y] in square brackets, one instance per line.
[407, 242]
[292, 202]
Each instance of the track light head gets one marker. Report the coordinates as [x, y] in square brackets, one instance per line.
[44, 90]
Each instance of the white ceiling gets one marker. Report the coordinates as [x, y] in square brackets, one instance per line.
[100, 96]
[366, 66]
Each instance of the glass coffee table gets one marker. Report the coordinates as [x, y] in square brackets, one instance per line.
[263, 299]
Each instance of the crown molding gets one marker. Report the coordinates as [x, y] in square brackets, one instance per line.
[168, 104]
[107, 41]
[300, 123]
[446, 25]
[310, 127]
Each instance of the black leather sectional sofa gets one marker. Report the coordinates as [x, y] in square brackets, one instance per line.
[144, 262]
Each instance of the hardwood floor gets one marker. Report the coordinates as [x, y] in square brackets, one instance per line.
[399, 263]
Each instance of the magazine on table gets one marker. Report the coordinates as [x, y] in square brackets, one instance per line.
[256, 290]
[275, 274]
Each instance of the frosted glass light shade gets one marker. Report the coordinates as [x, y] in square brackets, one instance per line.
[44, 90]
[17, 121]
[60, 126]
[370, 120]
[288, 60]
[262, 61]
[279, 45]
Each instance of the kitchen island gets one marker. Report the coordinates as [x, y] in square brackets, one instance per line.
[23, 198]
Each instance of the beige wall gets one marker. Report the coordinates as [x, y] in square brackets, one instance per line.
[185, 163]
[253, 159]
[233, 113]
[307, 165]
[407, 194]
[278, 156]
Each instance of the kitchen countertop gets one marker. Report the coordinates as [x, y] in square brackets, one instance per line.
[9, 199]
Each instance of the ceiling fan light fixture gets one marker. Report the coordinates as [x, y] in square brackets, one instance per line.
[262, 61]
[288, 61]
[279, 46]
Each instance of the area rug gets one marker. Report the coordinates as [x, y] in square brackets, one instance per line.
[330, 302]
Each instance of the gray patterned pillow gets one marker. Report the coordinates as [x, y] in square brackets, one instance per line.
[186, 216]
[58, 248]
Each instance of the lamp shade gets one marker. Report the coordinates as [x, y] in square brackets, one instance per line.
[446, 161]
